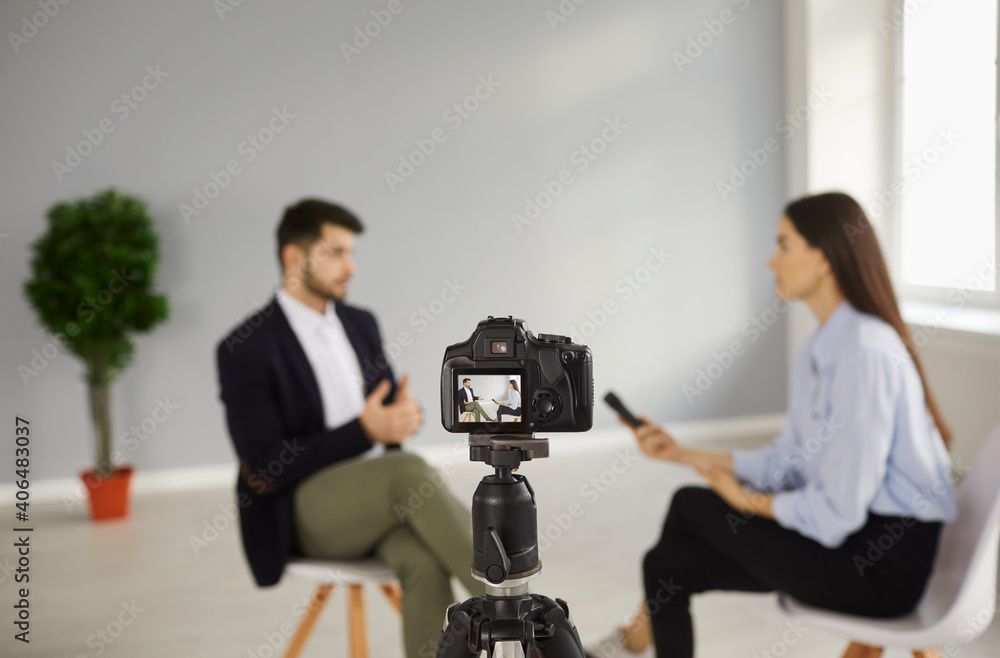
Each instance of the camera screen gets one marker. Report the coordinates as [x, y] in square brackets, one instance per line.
[488, 398]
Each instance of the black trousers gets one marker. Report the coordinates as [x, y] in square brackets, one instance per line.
[879, 571]
[507, 411]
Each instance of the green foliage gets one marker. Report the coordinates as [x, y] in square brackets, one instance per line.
[92, 279]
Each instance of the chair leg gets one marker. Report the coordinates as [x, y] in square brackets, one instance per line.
[927, 653]
[394, 594]
[356, 621]
[858, 650]
[319, 599]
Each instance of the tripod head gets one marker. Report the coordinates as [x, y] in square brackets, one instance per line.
[504, 516]
[508, 621]
[506, 450]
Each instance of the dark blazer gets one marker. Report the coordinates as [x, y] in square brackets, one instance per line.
[460, 398]
[275, 417]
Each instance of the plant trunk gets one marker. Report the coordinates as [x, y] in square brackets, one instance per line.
[100, 413]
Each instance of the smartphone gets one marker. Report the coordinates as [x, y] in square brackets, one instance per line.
[622, 410]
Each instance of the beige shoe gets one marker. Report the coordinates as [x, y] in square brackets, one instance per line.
[614, 646]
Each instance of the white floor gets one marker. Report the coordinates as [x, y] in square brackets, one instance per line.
[89, 578]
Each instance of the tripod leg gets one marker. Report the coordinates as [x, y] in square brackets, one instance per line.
[562, 641]
[456, 637]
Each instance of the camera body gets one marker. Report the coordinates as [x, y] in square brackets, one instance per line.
[549, 377]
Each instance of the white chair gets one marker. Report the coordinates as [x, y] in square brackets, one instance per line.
[355, 574]
[960, 599]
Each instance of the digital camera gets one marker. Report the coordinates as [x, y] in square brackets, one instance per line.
[504, 380]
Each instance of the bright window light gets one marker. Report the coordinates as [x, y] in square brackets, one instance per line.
[948, 214]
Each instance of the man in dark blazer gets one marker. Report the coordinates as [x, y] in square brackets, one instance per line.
[469, 403]
[317, 420]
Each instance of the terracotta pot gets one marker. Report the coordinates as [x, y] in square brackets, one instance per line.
[108, 495]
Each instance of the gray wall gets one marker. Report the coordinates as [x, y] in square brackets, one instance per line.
[653, 187]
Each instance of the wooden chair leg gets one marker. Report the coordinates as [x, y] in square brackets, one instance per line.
[394, 594]
[858, 650]
[927, 653]
[356, 621]
[319, 599]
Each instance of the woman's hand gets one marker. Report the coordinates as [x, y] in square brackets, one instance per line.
[654, 441]
[740, 498]
[723, 483]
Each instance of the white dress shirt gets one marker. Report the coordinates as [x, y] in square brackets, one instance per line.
[333, 360]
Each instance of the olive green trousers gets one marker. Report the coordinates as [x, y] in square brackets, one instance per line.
[396, 507]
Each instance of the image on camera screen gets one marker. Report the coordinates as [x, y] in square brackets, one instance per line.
[487, 398]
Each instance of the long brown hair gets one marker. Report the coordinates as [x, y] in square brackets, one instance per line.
[836, 224]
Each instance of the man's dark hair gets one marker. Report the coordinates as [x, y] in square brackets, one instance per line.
[302, 223]
[466, 380]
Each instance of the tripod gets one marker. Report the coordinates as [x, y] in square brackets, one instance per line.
[508, 621]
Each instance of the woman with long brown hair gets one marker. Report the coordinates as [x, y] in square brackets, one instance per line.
[512, 405]
[862, 460]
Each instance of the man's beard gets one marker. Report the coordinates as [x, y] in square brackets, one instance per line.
[314, 287]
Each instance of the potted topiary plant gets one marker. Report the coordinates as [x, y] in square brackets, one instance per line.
[91, 284]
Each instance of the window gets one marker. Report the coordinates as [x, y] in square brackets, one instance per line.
[946, 174]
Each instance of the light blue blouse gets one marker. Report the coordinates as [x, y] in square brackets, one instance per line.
[858, 436]
[513, 399]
